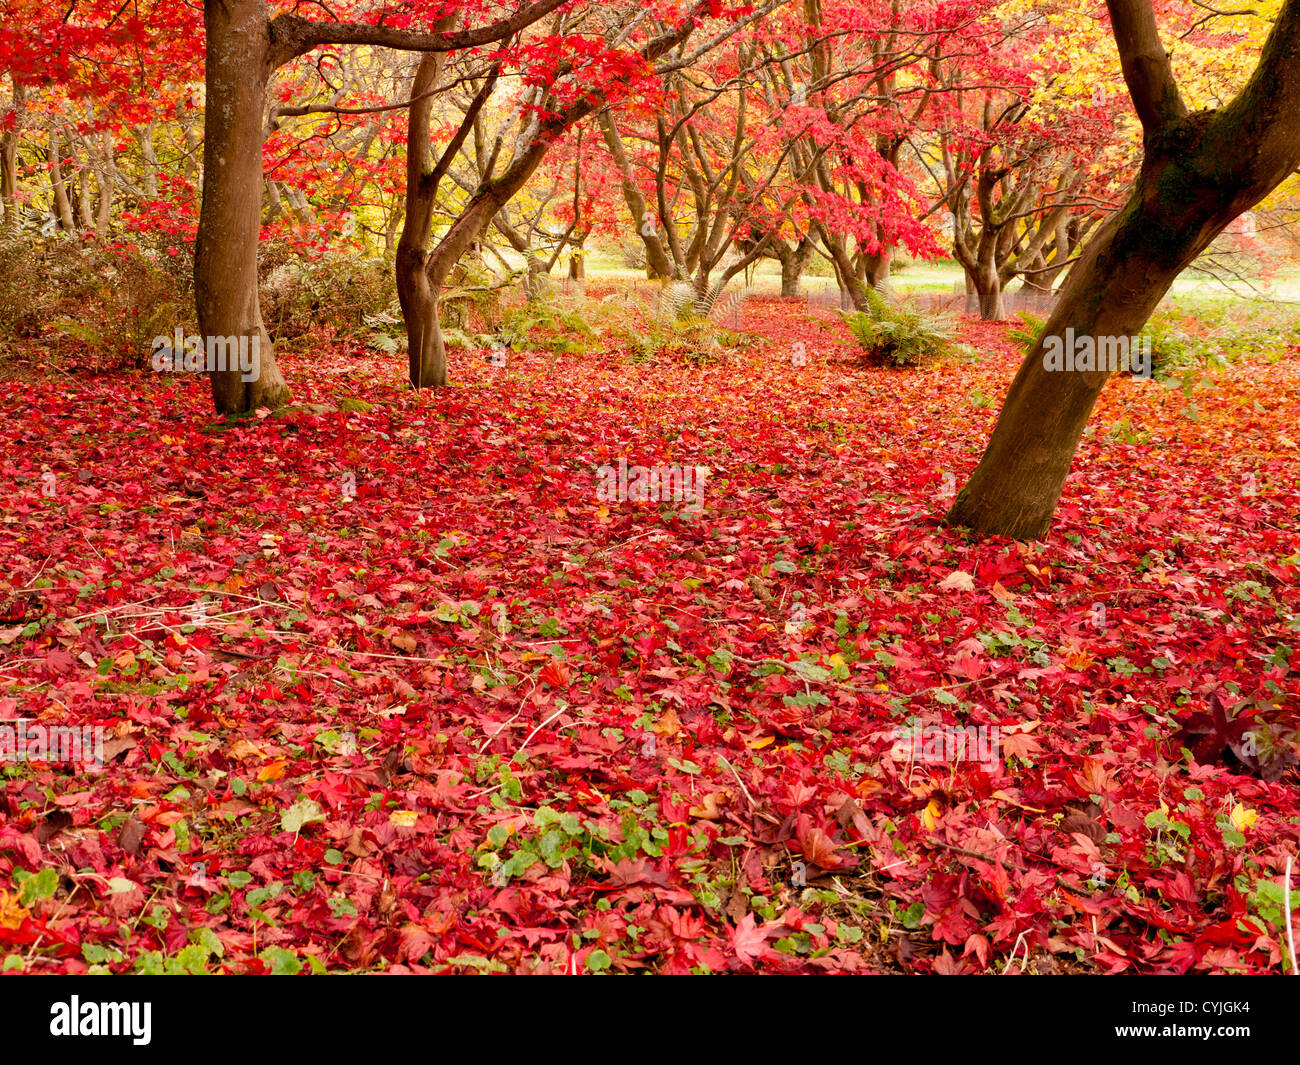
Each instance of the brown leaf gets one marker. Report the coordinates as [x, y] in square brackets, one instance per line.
[669, 724]
[243, 750]
[131, 835]
[711, 808]
[232, 808]
[1084, 822]
[118, 745]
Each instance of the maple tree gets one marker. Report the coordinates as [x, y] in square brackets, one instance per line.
[563, 97]
[1199, 171]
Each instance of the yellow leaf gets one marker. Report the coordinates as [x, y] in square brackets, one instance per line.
[1242, 818]
[403, 818]
[711, 808]
[12, 914]
[931, 815]
[668, 724]
[274, 771]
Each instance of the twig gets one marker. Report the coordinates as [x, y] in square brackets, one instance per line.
[1015, 947]
[538, 729]
[752, 804]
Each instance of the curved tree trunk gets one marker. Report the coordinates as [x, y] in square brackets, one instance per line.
[852, 291]
[987, 286]
[59, 187]
[225, 256]
[658, 266]
[878, 267]
[1199, 172]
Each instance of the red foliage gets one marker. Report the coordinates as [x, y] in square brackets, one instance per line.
[456, 710]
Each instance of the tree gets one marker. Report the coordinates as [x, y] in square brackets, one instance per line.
[713, 168]
[244, 46]
[573, 89]
[1199, 171]
[861, 79]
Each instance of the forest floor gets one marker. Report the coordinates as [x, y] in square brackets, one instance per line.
[388, 685]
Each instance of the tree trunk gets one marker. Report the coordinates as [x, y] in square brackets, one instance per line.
[1199, 172]
[878, 267]
[148, 159]
[81, 189]
[426, 355]
[225, 258]
[106, 181]
[62, 206]
[987, 286]
[793, 265]
[658, 266]
[9, 159]
[853, 293]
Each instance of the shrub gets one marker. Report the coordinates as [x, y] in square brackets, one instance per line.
[894, 335]
[545, 326]
[1027, 333]
[696, 341]
[100, 306]
[338, 291]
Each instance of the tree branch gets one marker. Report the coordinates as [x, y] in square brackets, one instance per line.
[1146, 66]
[292, 35]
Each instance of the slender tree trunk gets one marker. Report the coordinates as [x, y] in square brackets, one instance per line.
[9, 159]
[658, 266]
[82, 190]
[426, 354]
[225, 260]
[8, 179]
[148, 159]
[106, 181]
[852, 291]
[62, 206]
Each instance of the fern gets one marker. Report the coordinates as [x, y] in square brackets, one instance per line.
[894, 335]
[1027, 334]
